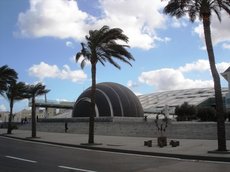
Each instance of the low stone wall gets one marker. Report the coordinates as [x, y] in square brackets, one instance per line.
[132, 127]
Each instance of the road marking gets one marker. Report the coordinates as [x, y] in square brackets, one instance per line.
[21, 159]
[76, 169]
[121, 153]
[94, 150]
[214, 162]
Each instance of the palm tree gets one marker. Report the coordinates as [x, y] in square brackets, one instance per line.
[32, 92]
[204, 9]
[15, 92]
[6, 76]
[101, 46]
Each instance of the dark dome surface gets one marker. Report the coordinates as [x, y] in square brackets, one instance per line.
[112, 99]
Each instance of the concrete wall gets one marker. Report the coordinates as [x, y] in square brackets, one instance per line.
[133, 127]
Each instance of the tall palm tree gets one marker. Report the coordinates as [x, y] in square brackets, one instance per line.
[101, 46]
[15, 92]
[32, 92]
[204, 9]
[6, 76]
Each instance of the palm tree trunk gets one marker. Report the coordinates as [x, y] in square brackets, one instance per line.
[217, 86]
[33, 118]
[92, 105]
[9, 128]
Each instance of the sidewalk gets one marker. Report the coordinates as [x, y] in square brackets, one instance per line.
[188, 149]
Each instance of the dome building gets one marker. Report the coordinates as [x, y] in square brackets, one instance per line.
[112, 99]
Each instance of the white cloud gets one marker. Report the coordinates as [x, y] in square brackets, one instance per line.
[132, 84]
[178, 23]
[219, 30]
[171, 79]
[64, 19]
[199, 65]
[139, 22]
[203, 65]
[165, 39]
[73, 59]
[2, 108]
[221, 67]
[69, 44]
[226, 45]
[44, 70]
[75, 75]
[57, 18]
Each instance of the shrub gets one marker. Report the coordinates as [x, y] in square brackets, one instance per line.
[185, 112]
[206, 114]
[228, 116]
[14, 127]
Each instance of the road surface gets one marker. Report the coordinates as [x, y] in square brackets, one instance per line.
[23, 156]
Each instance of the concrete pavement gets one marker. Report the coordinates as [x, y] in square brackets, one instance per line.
[188, 148]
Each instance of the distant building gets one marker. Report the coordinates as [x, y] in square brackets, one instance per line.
[151, 103]
[51, 108]
[203, 97]
[226, 75]
[112, 100]
[4, 116]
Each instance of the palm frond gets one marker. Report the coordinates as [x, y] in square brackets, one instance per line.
[16, 91]
[7, 75]
[102, 46]
[216, 9]
[111, 61]
[175, 8]
[197, 8]
[83, 63]
[113, 34]
[226, 6]
[77, 57]
[36, 90]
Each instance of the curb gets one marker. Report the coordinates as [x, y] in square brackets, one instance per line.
[94, 147]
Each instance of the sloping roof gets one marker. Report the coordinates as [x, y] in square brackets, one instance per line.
[157, 101]
[227, 70]
[225, 73]
[152, 102]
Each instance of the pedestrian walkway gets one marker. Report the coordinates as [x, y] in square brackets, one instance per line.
[188, 148]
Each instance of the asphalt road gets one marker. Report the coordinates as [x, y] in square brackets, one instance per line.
[23, 156]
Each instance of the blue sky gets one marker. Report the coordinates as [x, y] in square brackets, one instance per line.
[39, 39]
